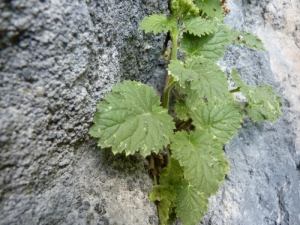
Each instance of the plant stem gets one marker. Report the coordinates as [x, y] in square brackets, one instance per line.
[169, 84]
[152, 167]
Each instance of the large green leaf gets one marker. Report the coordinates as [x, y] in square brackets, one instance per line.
[202, 158]
[205, 77]
[211, 46]
[263, 101]
[131, 119]
[191, 203]
[211, 8]
[221, 119]
[166, 196]
[157, 23]
[199, 26]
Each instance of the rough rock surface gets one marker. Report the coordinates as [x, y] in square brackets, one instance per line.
[263, 185]
[58, 59]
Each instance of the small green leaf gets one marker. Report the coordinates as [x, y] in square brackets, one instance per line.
[166, 196]
[132, 119]
[211, 8]
[157, 23]
[191, 204]
[247, 39]
[203, 159]
[221, 119]
[199, 26]
[211, 46]
[172, 173]
[263, 101]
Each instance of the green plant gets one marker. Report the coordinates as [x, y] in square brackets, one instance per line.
[186, 151]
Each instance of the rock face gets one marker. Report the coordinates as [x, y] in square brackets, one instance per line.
[263, 184]
[58, 59]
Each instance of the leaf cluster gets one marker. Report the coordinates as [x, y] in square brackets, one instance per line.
[131, 118]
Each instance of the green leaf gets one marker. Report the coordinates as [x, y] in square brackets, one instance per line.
[166, 196]
[157, 23]
[205, 77]
[211, 46]
[172, 173]
[180, 72]
[247, 39]
[211, 8]
[132, 119]
[191, 203]
[181, 110]
[199, 26]
[221, 119]
[203, 159]
[191, 100]
[263, 101]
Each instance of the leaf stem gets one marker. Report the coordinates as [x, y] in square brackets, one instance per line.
[153, 169]
[170, 82]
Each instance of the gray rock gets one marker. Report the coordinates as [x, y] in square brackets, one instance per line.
[57, 60]
[262, 186]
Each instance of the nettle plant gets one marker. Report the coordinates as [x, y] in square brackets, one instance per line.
[185, 150]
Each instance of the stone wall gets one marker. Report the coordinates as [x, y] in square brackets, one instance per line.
[58, 59]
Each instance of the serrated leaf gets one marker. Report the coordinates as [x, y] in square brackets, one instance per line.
[180, 72]
[211, 8]
[191, 203]
[199, 26]
[211, 46]
[203, 159]
[264, 103]
[157, 23]
[166, 196]
[172, 173]
[206, 77]
[248, 39]
[132, 119]
[221, 119]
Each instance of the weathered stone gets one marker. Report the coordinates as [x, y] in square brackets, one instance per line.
[57, 60]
